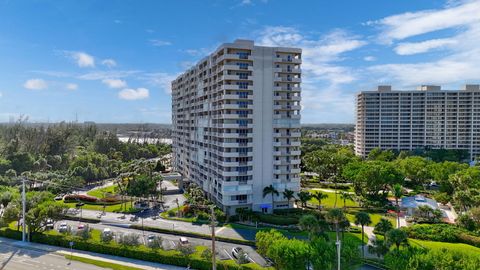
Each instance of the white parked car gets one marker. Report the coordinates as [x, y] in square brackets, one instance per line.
[63, 227]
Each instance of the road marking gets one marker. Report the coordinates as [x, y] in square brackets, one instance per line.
[228, 254]
[219, 230]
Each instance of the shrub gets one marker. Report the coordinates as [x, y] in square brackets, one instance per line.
[202, 216]
[106, 238]
[156, 243]
[171, 213]
[186, 250]
[206, 254]
[442, 232]
[85, 233]
[129, 239]
[76, 197]
[277, 219]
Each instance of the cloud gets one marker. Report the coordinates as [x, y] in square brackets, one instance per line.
[1, 94]
[159, 43]
[319, 53]
[161, 80]
[115, 83]
[457, 65]
[101, 75]
[370, 58]
[411, 24]
[109, 63]
[82, 59]
[134, 94]
[409, 48]
[71, 86]
[35, 84]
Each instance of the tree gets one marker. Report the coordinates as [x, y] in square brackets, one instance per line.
[345, 196]
[129, 239]
[383, 226]
[186, 250]
[272, 191]
[289, 254]
[397, 191]
[207, 254]
[336, 216]
[310, 224]
[415, 168]
[363, 218]
[378, 247]
[319, 196]
[379, 154]
[289, 195]
[265, 239]
[304, 197]
[156, 242]
[397, 237]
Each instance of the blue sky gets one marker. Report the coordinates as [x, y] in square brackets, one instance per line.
[112, 61]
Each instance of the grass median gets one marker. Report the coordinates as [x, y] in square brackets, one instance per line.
[102, 264]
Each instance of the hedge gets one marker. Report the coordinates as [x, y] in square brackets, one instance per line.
[277, 219]
[195, 235]
[442, 233]
[139, 253]
[82, 219]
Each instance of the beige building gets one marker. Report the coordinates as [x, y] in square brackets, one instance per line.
[236, 124]
[416, 119]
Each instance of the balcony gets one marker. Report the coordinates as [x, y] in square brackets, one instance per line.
[286, 89]
[287, 107]
[235, 87]
[235, 67]
[288, 60]
[291, 98]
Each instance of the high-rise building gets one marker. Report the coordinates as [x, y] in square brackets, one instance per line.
[426, 118]
[236, 125]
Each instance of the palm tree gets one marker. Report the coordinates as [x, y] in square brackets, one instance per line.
[270, 190]
[345, 196]
[289, 195]
[397, 193]
[310, 224]
[397, 237]
[383, 226]
[335, 216]
[362, 218]
[304, 197]
[319, 196]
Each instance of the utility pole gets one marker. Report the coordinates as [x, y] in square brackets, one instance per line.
[24, 206]
[214, 260]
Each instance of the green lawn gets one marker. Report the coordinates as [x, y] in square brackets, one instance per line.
[330, 201]
[103, 264]
[375, 217]
[460, 247]
[99, 207]
[99, 192]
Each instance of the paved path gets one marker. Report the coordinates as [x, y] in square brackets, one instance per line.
[18, 255]
[329, 190]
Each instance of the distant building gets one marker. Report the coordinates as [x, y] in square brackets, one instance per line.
[236, 124]
[416, 119]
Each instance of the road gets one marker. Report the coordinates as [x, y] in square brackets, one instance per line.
[224, 250]
[15, 258]
[110, 218]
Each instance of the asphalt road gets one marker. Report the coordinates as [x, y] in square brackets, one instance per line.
[15, 258]
[224, 250]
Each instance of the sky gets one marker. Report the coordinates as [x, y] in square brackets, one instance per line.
[113, 61]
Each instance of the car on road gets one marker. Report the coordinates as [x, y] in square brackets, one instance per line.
[107, 231]
[49, 224]
[81, 226]
[238, 252]
[151, 238]
[63, 227]
[183, 241]
[58, 198]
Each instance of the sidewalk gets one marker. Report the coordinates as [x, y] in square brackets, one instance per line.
[89, 255]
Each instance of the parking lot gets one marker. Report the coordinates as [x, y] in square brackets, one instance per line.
[223, 250]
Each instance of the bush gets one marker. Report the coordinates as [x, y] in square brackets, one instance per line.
[202, 216]
[139, 253]
[443, 233]
[156, 243]
[171, 213]
[277, 219]
[129, 239]
[106, 238]
[82, 198]
[85, 234]
[186, 250]
[206, 254]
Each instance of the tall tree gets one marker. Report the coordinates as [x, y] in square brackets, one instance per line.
[397, 237]
[319, 196]
[335, 216]
[289, 195]
[397, 191]
[304, 197]
[363, 219]
[272, 191]
[345, 196]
